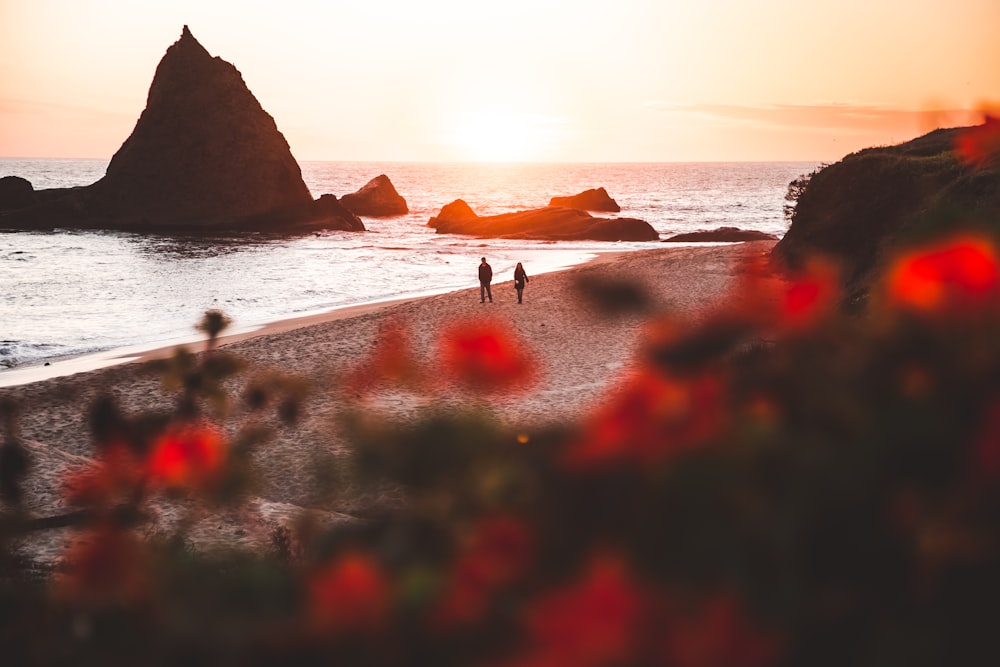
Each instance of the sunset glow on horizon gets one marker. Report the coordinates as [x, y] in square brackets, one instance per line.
[531, 80]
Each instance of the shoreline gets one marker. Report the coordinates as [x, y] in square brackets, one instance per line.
[160, 349]
[705, 270]
[141, 352]
[60, 367]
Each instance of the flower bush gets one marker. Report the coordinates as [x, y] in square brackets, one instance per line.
[776, 483]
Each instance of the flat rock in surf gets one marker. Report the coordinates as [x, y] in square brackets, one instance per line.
[552, 223]
[721, 235]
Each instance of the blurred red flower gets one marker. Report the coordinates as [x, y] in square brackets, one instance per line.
[980, 145]
[113, 478]
[810, 296]
[793, 299]
[498, 551]
[390, 361]
[958, 275]
[485, 356]
[652, 419]
[596, 620]
[349, 594]
[717, 634]
[106, 567]
[187, 456]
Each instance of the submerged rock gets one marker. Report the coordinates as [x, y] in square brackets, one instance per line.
[722, 235]
[376, 199]
[552, 223]
[595, 199]
[204, 155]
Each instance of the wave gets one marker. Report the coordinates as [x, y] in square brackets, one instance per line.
[14, 354]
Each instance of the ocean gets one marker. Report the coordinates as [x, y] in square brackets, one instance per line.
[69, 293]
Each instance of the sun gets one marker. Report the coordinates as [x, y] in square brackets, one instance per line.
[501, 136]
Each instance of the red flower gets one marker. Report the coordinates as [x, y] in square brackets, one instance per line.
[653, 419]
[594, 621]
[486, 357]
[498, 551]
[187, 456]
[390, 361]
[717, 634]
[106, 567]
[960, 274]
[795, 300]
[111, 479]
[978, 146]
[810, 296]
[349, 594]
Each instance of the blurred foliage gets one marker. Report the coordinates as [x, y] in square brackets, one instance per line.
[776, 483]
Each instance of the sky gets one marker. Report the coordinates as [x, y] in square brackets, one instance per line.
[518, 80]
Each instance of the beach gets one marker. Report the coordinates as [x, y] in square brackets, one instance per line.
[579, 353]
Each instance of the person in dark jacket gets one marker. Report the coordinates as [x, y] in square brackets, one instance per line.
[520, 277]
[485, 278]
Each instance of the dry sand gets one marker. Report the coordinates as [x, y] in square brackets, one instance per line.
[580, 354]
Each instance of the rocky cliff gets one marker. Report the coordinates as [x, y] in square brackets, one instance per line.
[872, 202]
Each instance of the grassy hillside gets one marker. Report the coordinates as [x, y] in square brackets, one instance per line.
[862, 208]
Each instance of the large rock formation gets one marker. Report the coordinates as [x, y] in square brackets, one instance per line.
[376, 199]
[203, 155]
[721, 235]
[549, 224]
[595, 199]
[862, 208]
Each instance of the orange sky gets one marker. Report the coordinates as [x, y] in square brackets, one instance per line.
[526, 80]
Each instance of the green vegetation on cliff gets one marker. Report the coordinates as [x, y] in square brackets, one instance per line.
[861, 209]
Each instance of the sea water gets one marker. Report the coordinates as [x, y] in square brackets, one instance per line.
[65, 293]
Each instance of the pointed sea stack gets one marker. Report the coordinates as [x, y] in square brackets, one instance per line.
[204, 156]
[203, 149]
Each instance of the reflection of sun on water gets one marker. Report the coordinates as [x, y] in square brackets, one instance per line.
[499, 136]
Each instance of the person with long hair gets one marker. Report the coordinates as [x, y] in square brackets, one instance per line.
[520, 278]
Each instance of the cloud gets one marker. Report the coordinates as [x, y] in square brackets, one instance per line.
[827, 116]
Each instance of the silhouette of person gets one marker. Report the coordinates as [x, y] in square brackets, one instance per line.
[520, 277]
[485, 277]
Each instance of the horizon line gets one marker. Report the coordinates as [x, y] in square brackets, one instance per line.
[464, 162]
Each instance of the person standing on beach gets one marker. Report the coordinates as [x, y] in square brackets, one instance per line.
[520, 277]
[485, 278]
